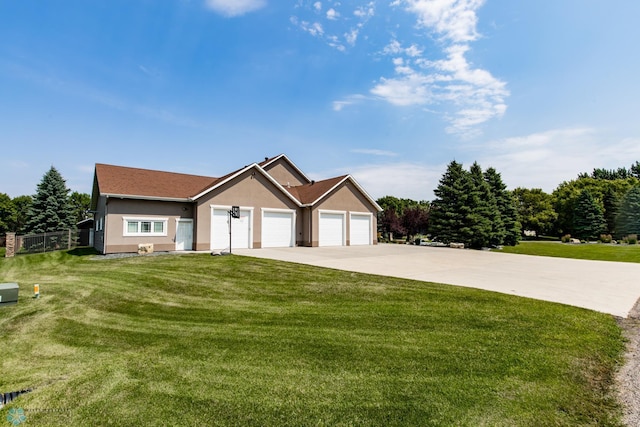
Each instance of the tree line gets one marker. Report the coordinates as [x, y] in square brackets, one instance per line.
[52, 208]
[474, 207]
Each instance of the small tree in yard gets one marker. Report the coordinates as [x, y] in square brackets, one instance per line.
[51, 209]
[415, 219]
[588, 219]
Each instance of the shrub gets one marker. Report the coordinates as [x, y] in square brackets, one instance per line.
[631, 239]
[606, 238]
[566, 238]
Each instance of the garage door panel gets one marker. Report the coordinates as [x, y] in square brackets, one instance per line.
[277, 229]
[360, 230]
[240, 230]
[331, 229]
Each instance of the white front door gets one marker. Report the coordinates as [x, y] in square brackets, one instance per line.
[184, 235]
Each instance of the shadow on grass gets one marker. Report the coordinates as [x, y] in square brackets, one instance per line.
[83, 251]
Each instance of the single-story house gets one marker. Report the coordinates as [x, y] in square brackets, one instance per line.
[279, 206]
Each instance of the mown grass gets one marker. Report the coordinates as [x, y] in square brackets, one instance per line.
[201, 340]
[589, 251]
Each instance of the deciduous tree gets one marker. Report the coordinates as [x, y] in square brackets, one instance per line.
[535, 210]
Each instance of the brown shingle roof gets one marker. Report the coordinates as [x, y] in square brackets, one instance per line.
[119, 180]
[309, 193]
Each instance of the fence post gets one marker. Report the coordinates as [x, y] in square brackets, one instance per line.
[69, 241]
[11, 245]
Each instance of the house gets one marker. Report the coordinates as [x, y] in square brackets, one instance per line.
[279, 206]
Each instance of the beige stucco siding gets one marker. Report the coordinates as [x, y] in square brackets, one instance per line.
[285, 174]
[348, 199]
[249, 190]
[118, 210]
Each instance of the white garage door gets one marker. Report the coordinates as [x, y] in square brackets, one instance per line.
[360, 230]
[331, 229]
[240, 230]
[277, 229]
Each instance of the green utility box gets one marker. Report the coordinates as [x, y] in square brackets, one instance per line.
[8, 294]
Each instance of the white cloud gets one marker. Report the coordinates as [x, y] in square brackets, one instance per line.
[374, 152]
[453, 20]
[546, 159]
[332, 14]
[352, 36]
[401, 179]
[333, 26]
[365, 12]
[313, 28]
[349, 100]
[471, 96]
[235, 7]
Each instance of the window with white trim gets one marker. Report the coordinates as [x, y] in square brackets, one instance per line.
[145, 226]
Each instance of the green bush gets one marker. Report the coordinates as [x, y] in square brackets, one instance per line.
[631, 239]
[566, 238]
[606, 238]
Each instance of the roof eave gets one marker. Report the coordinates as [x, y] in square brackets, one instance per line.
[153, 198]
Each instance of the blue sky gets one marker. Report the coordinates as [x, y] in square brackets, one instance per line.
[388, 91]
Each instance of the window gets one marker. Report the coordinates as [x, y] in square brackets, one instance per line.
[145, 227]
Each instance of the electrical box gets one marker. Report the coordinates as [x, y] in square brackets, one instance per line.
[8, 294]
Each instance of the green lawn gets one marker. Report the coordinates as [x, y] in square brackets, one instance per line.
[590, 251]
[202, 340]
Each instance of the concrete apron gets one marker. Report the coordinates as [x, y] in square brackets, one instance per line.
[608, 287]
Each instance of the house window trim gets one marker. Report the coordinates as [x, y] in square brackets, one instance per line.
[139, 220]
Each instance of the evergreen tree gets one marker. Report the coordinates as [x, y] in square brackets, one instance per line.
[487, 225]
[611, 204]
[508, 229]
[51, 209]
[451, 214]
[628, 221]
[588, 217]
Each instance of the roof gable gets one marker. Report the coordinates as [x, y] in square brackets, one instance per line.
[297, 177]
[225, 179]
[312, 193]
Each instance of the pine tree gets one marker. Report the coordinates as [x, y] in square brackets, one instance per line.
[611, 204]
[487, 225]
[508, 228]
[450, 219]
[51, 209]
[628, 221]
[588, 217]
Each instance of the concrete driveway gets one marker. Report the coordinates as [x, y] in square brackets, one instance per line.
[608, 287]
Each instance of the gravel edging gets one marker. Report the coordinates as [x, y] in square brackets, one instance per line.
[627, 378]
